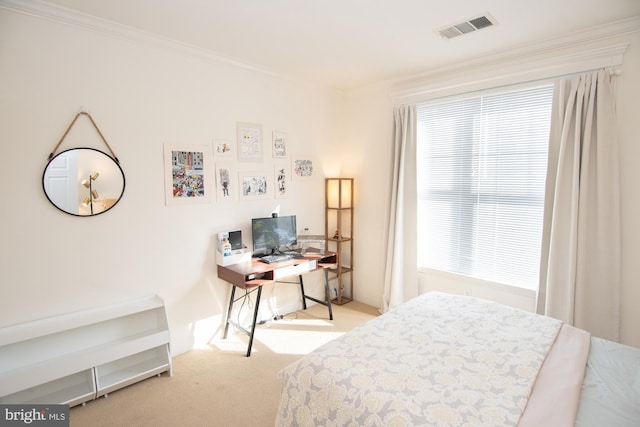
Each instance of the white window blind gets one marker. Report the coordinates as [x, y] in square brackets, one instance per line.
[482, 165]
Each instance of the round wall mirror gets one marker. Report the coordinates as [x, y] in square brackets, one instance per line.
[83, 181]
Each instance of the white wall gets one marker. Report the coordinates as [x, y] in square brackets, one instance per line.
[142, 95]
[628, 103]
[367, 151]
[369, 130]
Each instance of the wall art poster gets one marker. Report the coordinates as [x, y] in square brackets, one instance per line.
[303, 168]
[186, 174]
[225, 183]
[255, 185]
[279, 145]
[249, 142]
[281, 179]
[222, 148]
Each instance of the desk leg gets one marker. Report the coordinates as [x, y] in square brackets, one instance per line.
[327, 292]
[255, 316]
[226, 326]
[304, 297]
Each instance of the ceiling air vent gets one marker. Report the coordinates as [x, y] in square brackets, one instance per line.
[467, 27]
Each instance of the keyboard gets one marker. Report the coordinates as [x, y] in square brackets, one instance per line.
[269, 259]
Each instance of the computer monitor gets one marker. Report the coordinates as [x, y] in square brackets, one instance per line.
[272, 233]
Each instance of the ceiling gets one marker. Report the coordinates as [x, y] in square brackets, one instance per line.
[348, 43]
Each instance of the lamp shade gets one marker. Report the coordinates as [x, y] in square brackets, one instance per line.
[339, 192]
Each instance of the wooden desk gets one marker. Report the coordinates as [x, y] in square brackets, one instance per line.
[252, 275]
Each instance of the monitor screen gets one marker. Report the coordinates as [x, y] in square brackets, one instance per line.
[272, 233]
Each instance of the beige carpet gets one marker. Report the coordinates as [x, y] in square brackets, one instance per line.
[219, 386]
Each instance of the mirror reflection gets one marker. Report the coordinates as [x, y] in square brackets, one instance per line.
[83, 181]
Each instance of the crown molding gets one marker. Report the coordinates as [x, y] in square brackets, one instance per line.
[65, 16]
[602, 46]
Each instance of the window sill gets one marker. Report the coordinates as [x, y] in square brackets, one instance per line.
[436, 280]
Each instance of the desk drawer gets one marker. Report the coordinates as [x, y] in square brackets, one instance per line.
[294, 270]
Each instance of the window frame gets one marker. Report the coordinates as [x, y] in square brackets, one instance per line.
[468, 189]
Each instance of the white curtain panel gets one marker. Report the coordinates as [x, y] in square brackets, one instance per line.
[580, 266]
[401, 267]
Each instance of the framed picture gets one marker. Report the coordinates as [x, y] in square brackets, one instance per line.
[303, 168]
[255, 185]
[186, 169]
[222, 148]
[281, 179]
[249, 142]
[279, 145]
[226, 183]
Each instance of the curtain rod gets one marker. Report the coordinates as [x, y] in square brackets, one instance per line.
[461, 79]
[487, 85]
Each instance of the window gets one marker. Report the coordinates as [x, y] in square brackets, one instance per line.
[482, 164]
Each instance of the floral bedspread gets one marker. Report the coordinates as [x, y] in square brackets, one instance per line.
[437, 360]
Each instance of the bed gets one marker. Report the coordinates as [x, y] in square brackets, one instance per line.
[449, 360]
